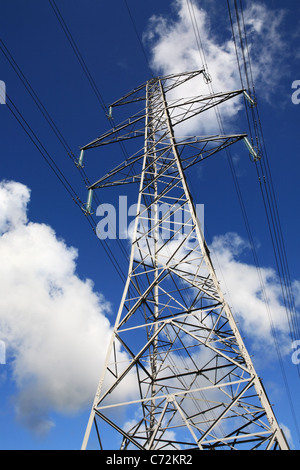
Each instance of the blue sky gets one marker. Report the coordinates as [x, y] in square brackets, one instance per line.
[55, 337]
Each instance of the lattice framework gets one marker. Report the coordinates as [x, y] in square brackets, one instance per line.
[177, 374]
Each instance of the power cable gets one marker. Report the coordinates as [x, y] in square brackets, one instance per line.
[198, 39]
[82, 63]
[33, 95]
[138, 38]
[43, 151]
[200, 47]
[196, 31]
[236, 183]
[78, 55]
[269, 199]
[268, 193]
[47, 157]
[94, 87]
[37, 142]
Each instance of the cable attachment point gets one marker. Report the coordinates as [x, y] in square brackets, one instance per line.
[255, 156]
[249, 99]
[79, 162]
[109, 114]
[206, 77]
[87, 208]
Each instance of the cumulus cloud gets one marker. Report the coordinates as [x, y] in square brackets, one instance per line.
[255, 297]
[267, 46]
[53, 323]
[253, 292]
[13, 204]
[55, 326]
[174, 48]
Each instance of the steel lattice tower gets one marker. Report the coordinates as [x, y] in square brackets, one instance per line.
[175, 343]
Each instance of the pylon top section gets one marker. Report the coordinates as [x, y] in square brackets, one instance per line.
[181, 109]
[151, 110]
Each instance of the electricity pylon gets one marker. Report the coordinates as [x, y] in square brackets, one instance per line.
[177, 374]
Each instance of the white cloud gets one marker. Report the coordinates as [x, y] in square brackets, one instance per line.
[13, 202]
[288, 435]
[254, 293]
[174, 49]
[255, 296]
[53, 323]
[296, 291]
[267, 46]
[55, 326]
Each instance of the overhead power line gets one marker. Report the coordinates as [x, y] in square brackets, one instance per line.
[268, 194]
[263, 171]
[138, 37]
[46, 155]
[262, 166]
[78, 54]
